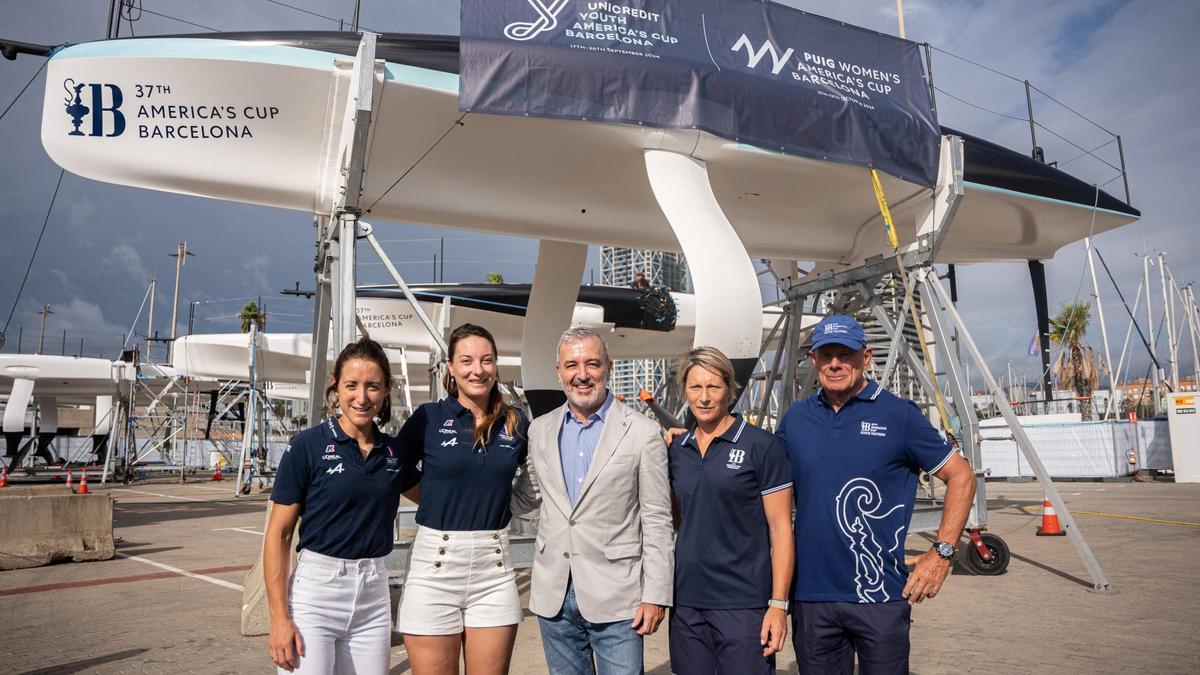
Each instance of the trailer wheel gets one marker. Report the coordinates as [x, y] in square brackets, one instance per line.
[1000, 556]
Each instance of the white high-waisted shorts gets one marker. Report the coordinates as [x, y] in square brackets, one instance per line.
[458, 580]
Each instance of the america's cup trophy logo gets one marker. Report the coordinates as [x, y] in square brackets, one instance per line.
[75, 107]
[104, 109]
[547, 20]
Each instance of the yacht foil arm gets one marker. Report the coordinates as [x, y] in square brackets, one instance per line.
[728, 301]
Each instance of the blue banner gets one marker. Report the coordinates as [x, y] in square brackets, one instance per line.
[750, 71]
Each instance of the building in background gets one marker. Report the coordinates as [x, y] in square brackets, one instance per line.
[620, 267]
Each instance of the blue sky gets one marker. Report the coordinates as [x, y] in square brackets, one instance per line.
[1128, 66]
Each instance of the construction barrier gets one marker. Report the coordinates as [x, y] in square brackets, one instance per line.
[40, 525]
[1079, 449]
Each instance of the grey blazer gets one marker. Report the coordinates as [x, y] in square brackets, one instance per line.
[616, 543]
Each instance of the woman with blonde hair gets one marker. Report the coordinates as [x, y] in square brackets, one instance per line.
[734, 555]
[461, 592]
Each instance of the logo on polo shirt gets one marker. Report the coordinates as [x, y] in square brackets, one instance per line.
[335, 469]
[860, 508]
[450, 442]
[872, 429]
[448, 423]
[736, 457]
[448, 432]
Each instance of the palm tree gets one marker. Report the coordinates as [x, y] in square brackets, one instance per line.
[1076, 362]
[252, 313]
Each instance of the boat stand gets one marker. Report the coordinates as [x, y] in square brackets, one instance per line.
[871, 293]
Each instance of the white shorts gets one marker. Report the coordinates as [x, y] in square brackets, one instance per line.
[342, 610]
[458, 580]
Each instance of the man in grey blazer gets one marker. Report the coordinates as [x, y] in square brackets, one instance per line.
[604, 567]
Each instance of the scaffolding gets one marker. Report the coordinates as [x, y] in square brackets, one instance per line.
[922, 362]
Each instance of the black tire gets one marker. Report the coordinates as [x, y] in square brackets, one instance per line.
[988, 568]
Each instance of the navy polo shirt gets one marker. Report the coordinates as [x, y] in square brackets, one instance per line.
[855, 474]
[723, 549]
[464, 487]
[347, 502]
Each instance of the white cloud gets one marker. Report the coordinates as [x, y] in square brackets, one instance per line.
[125, 258]
[67, 325]
[256, 271]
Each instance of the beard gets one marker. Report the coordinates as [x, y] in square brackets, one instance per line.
[590, 401]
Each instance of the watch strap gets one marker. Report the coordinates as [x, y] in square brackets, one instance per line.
[779, 604]
[937, 548]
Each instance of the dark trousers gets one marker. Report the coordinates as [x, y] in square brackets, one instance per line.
[718, 641]
[827, 636]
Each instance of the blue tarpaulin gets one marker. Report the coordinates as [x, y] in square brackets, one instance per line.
[755, 72]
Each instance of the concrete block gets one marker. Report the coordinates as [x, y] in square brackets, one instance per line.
[39, 529]
[256, 612]
[31, 490]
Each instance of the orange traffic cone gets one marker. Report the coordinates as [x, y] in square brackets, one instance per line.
[1050, 527]
[70, 481]
[3, 476]
[82, 483]
[217, 473]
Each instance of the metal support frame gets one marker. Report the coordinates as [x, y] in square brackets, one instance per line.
[338, 233]
[862, 291]
[251, 425]
[1099, 581]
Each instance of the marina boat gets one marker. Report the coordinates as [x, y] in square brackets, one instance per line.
[249, 117]
[634, 327]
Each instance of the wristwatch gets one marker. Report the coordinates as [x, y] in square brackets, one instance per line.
[779, 604]
[944, 550]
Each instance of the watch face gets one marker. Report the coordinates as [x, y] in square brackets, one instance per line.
[943, 549]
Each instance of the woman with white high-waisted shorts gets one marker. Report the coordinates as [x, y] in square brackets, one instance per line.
[461, 593]
[342, 480]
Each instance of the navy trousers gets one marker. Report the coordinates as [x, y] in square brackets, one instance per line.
[718, 642]
[828, 635]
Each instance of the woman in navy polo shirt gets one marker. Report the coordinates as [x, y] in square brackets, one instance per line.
[732, 490]
[461, 592]
[342, 480]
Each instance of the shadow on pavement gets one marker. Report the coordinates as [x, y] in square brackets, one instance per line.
[1052, 570]
[137, 514]
[76, 666]
[137, 549]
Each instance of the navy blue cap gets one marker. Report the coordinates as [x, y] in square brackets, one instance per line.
[839, 330]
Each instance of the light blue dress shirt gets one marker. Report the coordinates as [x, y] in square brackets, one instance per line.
[576, 445]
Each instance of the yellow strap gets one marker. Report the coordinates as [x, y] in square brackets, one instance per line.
[889, 227]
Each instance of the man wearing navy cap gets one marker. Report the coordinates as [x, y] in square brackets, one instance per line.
[856, 451]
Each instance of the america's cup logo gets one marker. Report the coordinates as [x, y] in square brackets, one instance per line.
[547, 20]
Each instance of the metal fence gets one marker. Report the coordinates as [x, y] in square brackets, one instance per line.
[194, 453]
[1080, 450]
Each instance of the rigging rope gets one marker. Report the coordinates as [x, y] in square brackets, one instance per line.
[457, 123]
[29, 267]
[18, 97]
